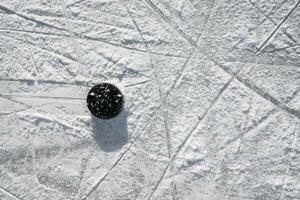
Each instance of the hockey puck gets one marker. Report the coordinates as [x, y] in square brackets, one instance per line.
[105, 100]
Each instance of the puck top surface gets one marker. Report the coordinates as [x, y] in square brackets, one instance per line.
[105, 100]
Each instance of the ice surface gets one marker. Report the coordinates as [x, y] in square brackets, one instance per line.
[211, 89]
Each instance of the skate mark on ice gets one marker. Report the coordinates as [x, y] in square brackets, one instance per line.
[187, 138]
[116, 162]
[266, 96]
[275, 30]
[24, 16]
[88, 38]
[9, 193]
[165, 118]
[270, 19]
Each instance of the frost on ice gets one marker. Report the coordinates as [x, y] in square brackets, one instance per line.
[212, 99]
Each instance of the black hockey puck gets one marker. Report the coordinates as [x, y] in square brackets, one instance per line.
[105, 100]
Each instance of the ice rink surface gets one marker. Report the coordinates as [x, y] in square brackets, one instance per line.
[212, 100]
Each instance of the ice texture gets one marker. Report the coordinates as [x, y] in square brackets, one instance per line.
[211, 94]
